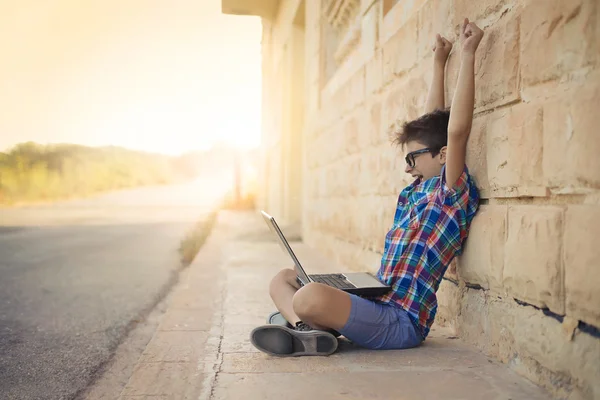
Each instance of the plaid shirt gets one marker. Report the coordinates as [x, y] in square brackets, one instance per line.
[430, 227]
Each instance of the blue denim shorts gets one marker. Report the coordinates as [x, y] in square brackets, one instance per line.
[380, 326]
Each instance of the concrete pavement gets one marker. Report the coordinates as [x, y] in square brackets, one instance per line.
[201, 349]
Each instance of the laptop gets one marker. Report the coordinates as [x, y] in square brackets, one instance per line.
[358, 283]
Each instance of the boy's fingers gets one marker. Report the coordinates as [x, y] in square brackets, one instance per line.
[465, 23]
[439, 41]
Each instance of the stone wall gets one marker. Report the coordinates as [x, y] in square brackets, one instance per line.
[526, 290]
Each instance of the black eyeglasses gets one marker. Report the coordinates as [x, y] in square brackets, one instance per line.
[410, 157]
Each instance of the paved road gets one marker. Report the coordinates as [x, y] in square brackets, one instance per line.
[74, 275]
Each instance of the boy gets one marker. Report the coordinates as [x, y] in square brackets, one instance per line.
[430, 226]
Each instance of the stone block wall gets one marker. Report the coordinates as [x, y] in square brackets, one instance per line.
[527, 288]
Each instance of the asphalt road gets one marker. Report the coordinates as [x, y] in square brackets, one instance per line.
[74, 276]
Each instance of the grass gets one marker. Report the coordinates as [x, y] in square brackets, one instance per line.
[195, 238]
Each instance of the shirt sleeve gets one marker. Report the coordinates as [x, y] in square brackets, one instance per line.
[462, 196]
[459, 193]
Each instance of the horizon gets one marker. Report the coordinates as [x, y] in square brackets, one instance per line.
[213, 147]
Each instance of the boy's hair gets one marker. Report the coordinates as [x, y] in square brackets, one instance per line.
[430, 129]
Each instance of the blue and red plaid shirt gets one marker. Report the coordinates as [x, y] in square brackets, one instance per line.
[430, 227]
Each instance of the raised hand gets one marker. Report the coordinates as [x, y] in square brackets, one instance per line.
[470, 36]
[441, 49]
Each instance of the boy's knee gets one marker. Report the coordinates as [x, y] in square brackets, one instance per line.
[284, 277]
[308, 301]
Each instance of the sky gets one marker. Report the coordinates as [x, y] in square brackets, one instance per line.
[153, 75]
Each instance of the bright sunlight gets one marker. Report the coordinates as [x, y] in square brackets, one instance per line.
[167, 77]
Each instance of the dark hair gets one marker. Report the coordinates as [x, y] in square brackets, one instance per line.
[430, 129]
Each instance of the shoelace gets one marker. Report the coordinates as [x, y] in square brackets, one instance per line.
[301, 326]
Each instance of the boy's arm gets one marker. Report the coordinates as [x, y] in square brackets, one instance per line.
[435, 97]
[461, 112]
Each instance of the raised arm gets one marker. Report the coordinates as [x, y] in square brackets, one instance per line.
[461, 112]
[435, 97]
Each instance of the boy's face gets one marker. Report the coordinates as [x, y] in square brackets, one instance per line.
[420, 163]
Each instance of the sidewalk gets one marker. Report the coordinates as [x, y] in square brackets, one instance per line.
[201, 349]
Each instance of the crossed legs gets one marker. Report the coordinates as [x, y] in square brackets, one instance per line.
[317, 305]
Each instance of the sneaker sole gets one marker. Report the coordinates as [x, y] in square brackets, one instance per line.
[281, 341]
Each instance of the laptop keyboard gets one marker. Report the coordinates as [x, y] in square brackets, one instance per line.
[335, 280]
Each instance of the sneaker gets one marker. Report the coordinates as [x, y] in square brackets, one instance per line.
[275, 318]
[301, 340]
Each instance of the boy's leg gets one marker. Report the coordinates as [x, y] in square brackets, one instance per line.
[318, 305]
[322, 306]
[282, 289]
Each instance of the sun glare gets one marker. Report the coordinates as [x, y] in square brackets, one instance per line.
[144, 75]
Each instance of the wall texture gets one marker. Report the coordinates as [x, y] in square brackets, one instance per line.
[339, 76]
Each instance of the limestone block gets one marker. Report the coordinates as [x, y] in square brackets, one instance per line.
[374, 73]
[356, 216]
[380, 216]
[482, 261]
[340, 178]
[351, 132]
[452, 271]
[367, 177]
[477, 155]
[500, 340]
[332, 145]
[311, 156]
[391, 116]
[415, 95]
[479, 10]
[582, 272]
[571, 145]
[313, 65]
[401, 13]
[473, 319]
[514, 152]
[400, 52]
[390, 171]
[365, 131]
[353, 172]
[350, 93]
[357, 88]
[557, 37]
[375, 128]
[313, 100]
[497, 64]
[318, 183]
[533, 270]
[452, 69]
[313, 12]
[533, 344]
[374, 210]
[448, 296]
[404, 101]
[367, 228]
[312, 152]
[433, 18]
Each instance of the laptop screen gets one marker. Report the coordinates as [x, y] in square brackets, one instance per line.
[285, 246]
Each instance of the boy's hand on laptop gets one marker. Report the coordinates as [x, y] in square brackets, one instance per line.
[441, 49]
[470, 37]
